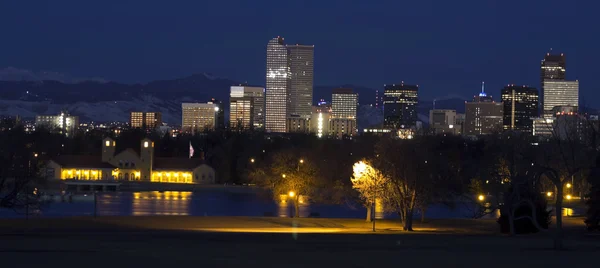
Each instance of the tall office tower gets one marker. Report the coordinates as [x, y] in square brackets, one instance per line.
[247, 107]
[198, 117]
[400, 106]
[300, 93]
[277, 85]
[220, 113]
[520, 107]
[443, 121]
[559, 93]
[145, 120]
[483, 116]
[553, 67]
[64, 123]
[343, 112]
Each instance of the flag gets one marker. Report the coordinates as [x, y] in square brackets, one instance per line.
[191, 150]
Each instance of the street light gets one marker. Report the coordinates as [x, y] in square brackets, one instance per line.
[569, 185]
[291, 194]
[569, 197]
[481, 197]
[283, 176]
[549, 194]
[251, 160]
[301, 161]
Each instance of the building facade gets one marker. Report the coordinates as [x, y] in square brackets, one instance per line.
[443, 121]
[247, 107]
[145, 120]
[277, 85]
[552, 68]
[320, 120]
[130, 165]
[198, 117]
[343, 112]
[400, 106]
[64, 123]
[483, 116]
[300, 94]
[559, 93]
[520, 105]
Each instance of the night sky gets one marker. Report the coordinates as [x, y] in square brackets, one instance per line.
[447, 47]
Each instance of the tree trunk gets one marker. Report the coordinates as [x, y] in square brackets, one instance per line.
[408, 218]
[558, 241]
[368, 213]
[296, 207]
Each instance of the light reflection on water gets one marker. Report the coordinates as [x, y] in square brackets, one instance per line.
[222, 203]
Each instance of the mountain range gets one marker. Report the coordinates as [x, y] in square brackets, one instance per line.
[28, 94]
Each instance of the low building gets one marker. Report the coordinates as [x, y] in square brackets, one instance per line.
[145, 120]
[130, 165]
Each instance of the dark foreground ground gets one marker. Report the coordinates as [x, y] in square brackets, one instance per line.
[225, 242]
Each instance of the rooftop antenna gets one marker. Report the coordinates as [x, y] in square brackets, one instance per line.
[483, 87]
[433, 104]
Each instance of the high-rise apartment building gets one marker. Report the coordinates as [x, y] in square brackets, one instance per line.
[483, 116]
[520, 104]
[64, 123]
[400, 106]
[559, 93]
[552, 67]
[277, 85]
[145, 120]
[247, 107]
[197, 117]
[300, 93]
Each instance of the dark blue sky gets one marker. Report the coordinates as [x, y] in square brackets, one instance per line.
[447, 47]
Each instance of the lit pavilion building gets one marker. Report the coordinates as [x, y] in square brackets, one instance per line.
[130, 165]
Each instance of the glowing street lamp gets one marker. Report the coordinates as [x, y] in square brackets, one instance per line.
[251, 160]
[569, 197]
[549, 194]
[481, 197]
[569, 185]
[301, 161]
[283, 176]
[291, 194]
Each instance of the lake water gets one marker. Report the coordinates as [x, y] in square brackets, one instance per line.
[212, 203]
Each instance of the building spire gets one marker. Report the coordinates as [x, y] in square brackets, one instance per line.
[482, 94]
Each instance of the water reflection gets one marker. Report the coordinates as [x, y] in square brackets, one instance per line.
[379, 210]
[567, 212]
[285, 206]
[161, 203]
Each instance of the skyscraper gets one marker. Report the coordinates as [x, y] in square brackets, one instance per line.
[246, 107]
[400, 106]
[343, 112]
[300, 93]
[277, 85]
[559, 93]
[553, 67]
[145, 120]
[520, 107]
[483, 116]
[198, 116]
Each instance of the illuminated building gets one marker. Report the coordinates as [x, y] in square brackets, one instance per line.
[483, 116]
[443, 121]
[199, 116]
[400, 106]
[520, 107]
[552, 68]
[145, 120]
[343, 112]
[63, 123]
[247, 107]
[300, 94]
[297, 124]
[559, 93]
[543, 127]
[320, 120]
[129, 165]
[277, 86]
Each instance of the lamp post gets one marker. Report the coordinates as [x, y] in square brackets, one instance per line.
[291, 194]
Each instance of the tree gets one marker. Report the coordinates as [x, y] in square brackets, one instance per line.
[370, 183]
[288, 173]
[19, 169]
